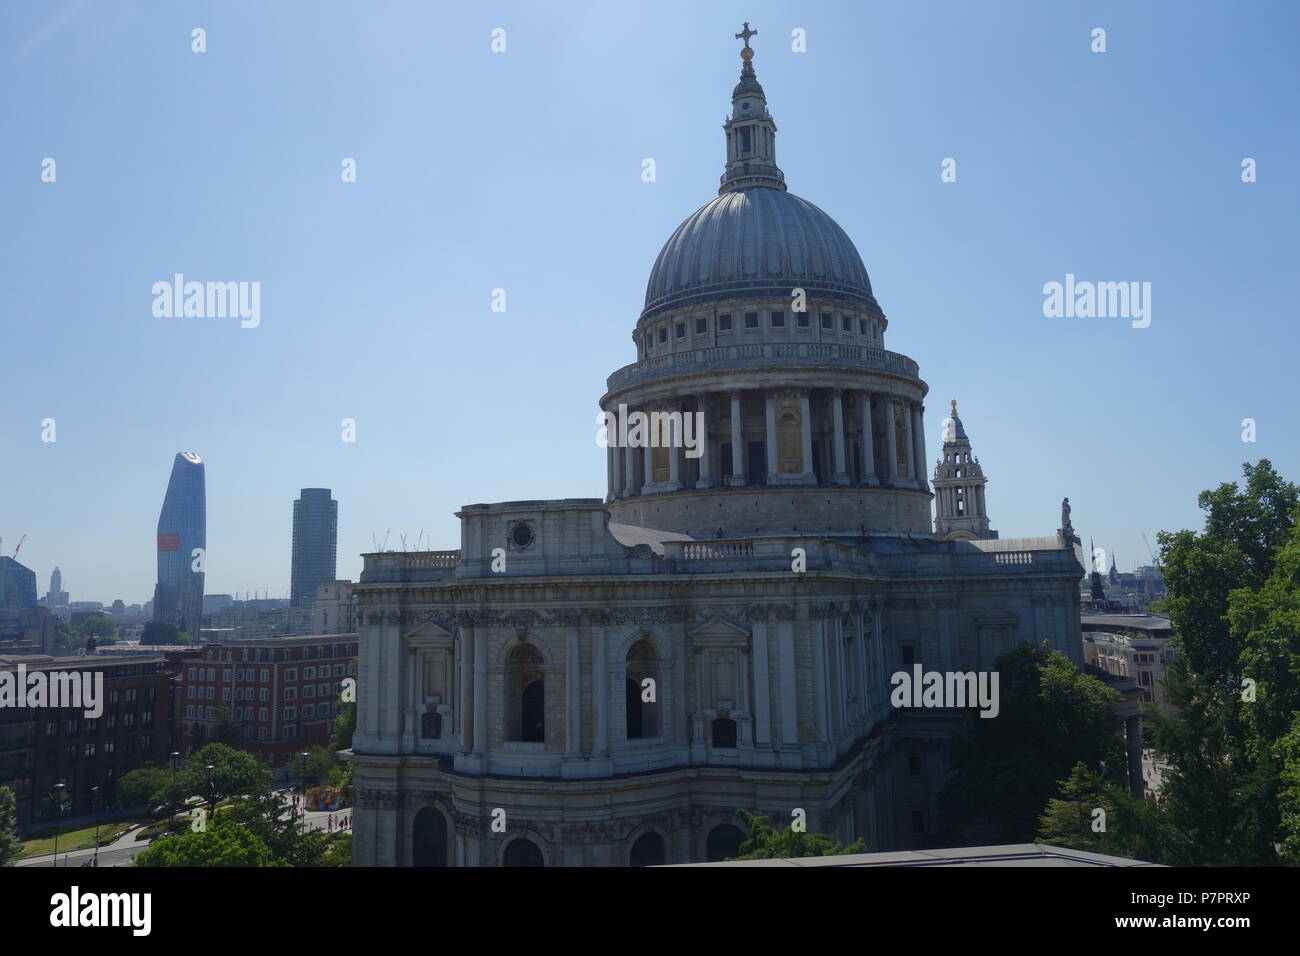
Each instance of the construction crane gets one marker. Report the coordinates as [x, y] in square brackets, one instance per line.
[1154, 560]
[20, 545]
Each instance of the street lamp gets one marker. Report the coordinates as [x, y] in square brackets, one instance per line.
[212, 799]
[56, 797]
[94, 802]
[303, 777]
[175, 758]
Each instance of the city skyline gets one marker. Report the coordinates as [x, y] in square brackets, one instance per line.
[1132, 438]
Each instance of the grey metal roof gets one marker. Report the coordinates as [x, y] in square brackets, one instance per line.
[756, 240]
[1022, 854]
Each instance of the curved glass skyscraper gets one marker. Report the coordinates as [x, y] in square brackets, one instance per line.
[182, 547]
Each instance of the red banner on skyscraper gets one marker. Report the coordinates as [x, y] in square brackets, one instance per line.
[169, 542]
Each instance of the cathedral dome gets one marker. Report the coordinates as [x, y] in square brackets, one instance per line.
[756, 241]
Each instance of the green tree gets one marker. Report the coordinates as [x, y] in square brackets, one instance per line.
[222, 843]
[1007, 768]
[144, 787]
[344, 726]
[1234, 607]
[766, 843]
[315, 767]
[232, 773]
[10, 845]
[101, 628]
[1130, 827]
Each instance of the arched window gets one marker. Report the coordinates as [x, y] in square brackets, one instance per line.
[429, 839]
[522, 852]
[525, 695]
[648, 850]
[642, 714]
[724, 733]
[723, 843]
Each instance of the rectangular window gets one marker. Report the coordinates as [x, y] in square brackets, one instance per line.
[846, 323]
[209, 693]
[751, 320]
[266, 675]
[291, 693]
[212, 675]
[746, 139]
[291, 674]
[309, 673]
[309, 690]
[263, 695]
[290, 731]
[828, 322]
[225, 675]
[308, 711]
[663, 335]
[262, 714]
[805, 320]
[681, 330]
[778, 320]
[261, 733]
[862, 326]
[290, 713]
[701, 326]
[724, 323]
[191, 673]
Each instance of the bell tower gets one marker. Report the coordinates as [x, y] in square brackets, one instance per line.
[960, 511]
[751, 132]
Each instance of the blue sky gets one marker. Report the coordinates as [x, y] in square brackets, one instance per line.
[522, 171]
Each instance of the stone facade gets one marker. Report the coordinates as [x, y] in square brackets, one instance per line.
[605, 682]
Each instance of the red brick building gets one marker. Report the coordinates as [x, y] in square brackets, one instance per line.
[278, 696]
[42, 746]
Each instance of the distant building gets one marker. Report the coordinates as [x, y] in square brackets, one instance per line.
[40, 747]
[17, 585]
[277, 697]
[1132, 645]
[333, 610]
[959, 508]
[56, 597]
[215, 602]
[26, 631]
[182, 546]
[315, 544]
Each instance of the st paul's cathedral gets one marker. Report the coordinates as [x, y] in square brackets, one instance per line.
[593, 682]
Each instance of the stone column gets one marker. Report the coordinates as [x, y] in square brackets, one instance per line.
[629, 471]
[769, 405]
[617, 476]
[611, 459]
[572, 696]
[762, 695]
[911, 445]
[480, 690]
[466, 644]
[837, 419]
[737, 443]
[890, 454]
[868, 442]
[649, 452]
[918, 440]
[599, 693]
[702, 433]
[674, 437]
[805, 432]
[1133, 735]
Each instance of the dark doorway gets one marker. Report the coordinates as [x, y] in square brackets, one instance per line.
[726, 462]
[817, 462]
[429, 839]
[648, 850]
[523, 852]
[724, 842]
[724, 733]
[756, 470]
[534, 712]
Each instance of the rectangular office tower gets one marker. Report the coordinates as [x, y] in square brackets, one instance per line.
[182, 547]
[17, 585]
[315, 543]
